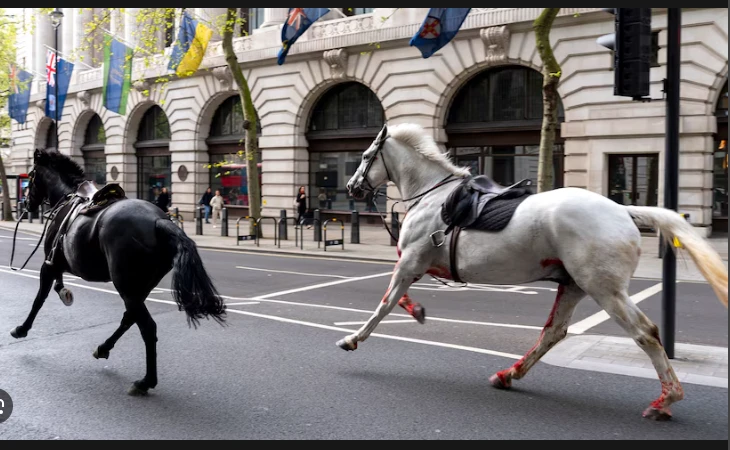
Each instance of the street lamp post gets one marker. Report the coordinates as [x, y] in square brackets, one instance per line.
[56, 17]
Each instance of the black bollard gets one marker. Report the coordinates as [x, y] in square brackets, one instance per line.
[317, 226]
[394, 228]
[283, 226]
[355, 228]
[199, 221]
[224, 222]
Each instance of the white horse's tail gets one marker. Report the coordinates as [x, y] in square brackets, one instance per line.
[672, 225]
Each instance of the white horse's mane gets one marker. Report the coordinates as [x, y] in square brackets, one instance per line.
[422, 142]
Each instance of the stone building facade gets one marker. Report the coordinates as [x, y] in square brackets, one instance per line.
[353, 70]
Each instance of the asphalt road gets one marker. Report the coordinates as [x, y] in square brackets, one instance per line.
[275, 373]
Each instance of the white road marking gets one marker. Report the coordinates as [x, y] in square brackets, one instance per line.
[600, 317]
[243, 304]
[320, 286]
[19, 239]
[347, 324]
[320, 326]
[293, 273]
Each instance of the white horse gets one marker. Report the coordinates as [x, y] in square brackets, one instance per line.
[587, 243]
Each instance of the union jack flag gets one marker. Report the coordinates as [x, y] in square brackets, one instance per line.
[51, 68]
[14, 79]
[295, 18]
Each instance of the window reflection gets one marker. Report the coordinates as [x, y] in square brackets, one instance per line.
[329, 174]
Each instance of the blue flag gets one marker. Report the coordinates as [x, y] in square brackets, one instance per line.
[20, 82]
[297, 22]
[438, 29]
[60, 74]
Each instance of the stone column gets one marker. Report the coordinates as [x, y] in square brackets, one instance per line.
[117, 22]
[213, 18]
[130, 25]
[274, 17]
[43, 37]
[83, 48]
[285, 167]
[66, 31]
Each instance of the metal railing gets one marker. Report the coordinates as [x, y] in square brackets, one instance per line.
[333, 242]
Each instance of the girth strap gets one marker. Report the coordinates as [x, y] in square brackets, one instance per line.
[452, 254]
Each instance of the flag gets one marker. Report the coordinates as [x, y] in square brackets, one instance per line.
[117, 75]
[438, 29]
[189, 49]
[58, 79]
[20, 82]
[297, 23]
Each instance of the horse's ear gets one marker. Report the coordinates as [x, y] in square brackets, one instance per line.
[383, 133]
[38, 156]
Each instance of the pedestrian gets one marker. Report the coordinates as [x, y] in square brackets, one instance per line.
[205, 203]
[301, 204]
[163, 200]
[216, 204]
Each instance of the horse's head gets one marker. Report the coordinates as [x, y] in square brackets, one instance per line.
[372, 172]
[37, 184]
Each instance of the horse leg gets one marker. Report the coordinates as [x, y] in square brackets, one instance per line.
[102, 352]
[555, 330]
[47, 276]
[64, 294]
[148, 329]
[646, 335]
[399, 284]
[413, 308]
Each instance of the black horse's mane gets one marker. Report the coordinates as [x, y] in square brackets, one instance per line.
[66, 168]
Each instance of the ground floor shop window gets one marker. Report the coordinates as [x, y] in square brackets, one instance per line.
[508, 164]
[228, 173]
[634, 179]
[95, 167]
[720, 181]
[154, 173]
[329, 173]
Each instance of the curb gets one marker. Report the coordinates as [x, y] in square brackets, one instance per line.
[256, 250]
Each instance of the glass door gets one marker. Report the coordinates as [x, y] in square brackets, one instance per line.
[634, 179]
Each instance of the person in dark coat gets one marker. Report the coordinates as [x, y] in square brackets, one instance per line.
[163, 200]
[301, 203]
[205, 203]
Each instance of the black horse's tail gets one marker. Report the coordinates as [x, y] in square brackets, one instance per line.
[192, 288]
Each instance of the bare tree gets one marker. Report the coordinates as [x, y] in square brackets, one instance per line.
[551, 72]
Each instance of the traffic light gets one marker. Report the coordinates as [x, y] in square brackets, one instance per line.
[631, 44]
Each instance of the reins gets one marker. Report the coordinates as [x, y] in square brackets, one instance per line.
[50, 217]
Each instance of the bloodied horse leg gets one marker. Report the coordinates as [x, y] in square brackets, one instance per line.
[413, 308]
[64, 294]
[556, 329]
[405, 272]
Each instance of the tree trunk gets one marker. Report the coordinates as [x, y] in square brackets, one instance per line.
[250, 117]
[551, 78]
[7, 208]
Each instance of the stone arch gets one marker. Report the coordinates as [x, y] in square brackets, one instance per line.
[316, 94]
[132, 123]
[79, 130]
[720, 86]
[153, 156]
[202, 131]
[45, 126]
[493, 124]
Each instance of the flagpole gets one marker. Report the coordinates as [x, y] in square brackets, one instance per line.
[67, 57]
[56, 17]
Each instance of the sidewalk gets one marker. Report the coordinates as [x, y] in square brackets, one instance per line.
[375, 246]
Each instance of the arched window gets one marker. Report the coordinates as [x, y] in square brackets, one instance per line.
[226, 149]
[494, 123]
[93, 151]
[154, 163]
[342, 125]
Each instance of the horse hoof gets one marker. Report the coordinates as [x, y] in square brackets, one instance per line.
[19, 333]
[500, 382]
[658, 415]
[137, 390]
[66, 296]
[101, 354]
[346, 345]
[419, 313]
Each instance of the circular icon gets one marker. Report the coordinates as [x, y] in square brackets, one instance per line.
[6, 406]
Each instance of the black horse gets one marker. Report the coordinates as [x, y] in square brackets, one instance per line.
[129, 242]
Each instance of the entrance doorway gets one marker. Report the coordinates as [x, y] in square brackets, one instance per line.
[634, 179]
